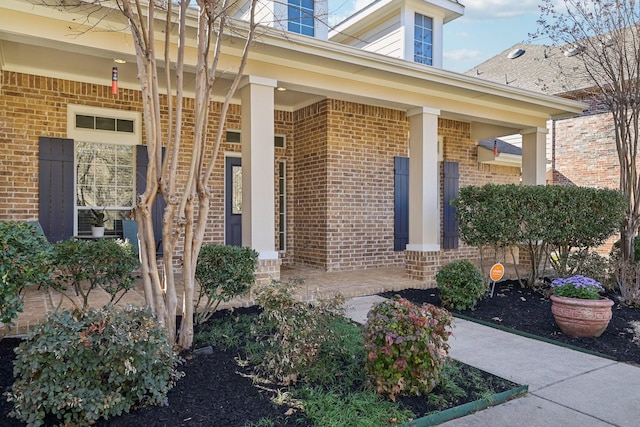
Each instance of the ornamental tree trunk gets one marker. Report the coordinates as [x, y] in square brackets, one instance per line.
[187, 200]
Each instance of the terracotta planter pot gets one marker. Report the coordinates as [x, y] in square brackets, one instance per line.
[581, 317]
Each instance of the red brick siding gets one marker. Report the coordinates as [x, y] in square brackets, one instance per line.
[310, 177]
[362, 142]
[585, 154]
[459, 147]
[339, 158]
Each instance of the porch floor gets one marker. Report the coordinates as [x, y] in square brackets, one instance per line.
[315, 283]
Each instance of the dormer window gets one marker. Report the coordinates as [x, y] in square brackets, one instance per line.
[301, 17]
[423, 40]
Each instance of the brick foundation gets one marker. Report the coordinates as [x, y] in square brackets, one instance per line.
[422, 266]
[267, 270]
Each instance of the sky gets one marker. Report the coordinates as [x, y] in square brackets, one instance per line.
[487, 28]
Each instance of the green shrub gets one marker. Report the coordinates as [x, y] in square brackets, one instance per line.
[540, 219]
[80, 366]
[460, 284]
[590, 264]
[340, 361]
[406, 346]
[106, 263]
[25, 260]
[223, 273]
[294, 333]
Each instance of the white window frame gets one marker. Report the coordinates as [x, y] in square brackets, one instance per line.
[99, 136]
[282, 207]
[415, 27]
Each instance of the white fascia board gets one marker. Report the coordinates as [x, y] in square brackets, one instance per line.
[374, 63]
[486, 156]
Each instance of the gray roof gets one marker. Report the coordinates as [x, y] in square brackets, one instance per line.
[537, 70]
[503, 147]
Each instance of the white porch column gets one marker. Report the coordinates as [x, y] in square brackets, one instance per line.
[258, 200]
[534, 156]
[424, 188]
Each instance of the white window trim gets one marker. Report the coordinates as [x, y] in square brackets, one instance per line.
[101, 137]
[104, 136]
[283, 204]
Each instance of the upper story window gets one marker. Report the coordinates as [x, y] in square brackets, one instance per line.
[423, 40]
[301, 17]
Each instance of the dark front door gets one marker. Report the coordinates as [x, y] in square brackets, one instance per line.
[233, 201]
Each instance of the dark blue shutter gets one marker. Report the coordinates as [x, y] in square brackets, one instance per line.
[401, 204]
[451, 186]
[157, 210]
[56, 188]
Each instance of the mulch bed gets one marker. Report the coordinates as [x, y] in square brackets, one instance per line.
[526, 310]
[217, 392]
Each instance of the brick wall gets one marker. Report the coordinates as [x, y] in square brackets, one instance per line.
[344, 185]
[362, 142]
[459, 147]
[585, 154]
[310, 193]
[35, 106]
[339, 162]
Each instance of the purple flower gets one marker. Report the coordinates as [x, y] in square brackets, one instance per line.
[577, 287]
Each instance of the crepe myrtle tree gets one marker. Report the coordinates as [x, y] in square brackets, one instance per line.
[187, 199]
[187, 207]
[604, 39]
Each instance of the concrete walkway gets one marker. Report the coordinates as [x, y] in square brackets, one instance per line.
[566, 387]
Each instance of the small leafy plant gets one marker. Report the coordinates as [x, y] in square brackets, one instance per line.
[97, 218]
[78, 367]
[223, 273]
[295, 333]
[25, 260]
[86, 264]
[577, 287]
[461, 285]
[406, 347]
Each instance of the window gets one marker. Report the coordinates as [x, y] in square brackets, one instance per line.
[280, 141]
[104, 159]
[233, 137]
[104, 180]
[282, 206]
[236, 190]
[300, 17]
[423, 40]
[104, 123]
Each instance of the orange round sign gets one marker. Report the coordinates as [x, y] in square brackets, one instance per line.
[497, 271]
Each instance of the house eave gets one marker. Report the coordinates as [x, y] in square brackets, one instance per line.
[305, 55]
[488, 157]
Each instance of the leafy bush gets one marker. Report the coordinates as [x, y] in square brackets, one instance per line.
[341, 358]
[80, 366]
[295, 333]
[223, 273]
[460, 284]
[591, 264]
[406, 346]
[104, 262]
[543, 219]
[25, 260]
